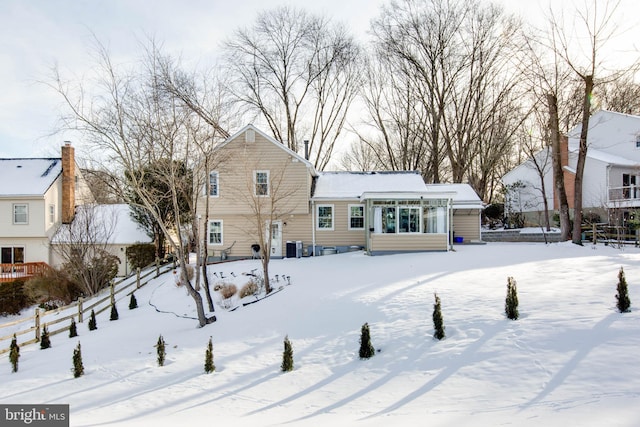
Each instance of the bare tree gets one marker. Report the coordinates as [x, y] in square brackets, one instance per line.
[449, 95]
[82, 247]
[597, 25]
[134, 121]
[291, 65]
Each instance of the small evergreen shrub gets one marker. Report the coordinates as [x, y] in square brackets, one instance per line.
[160, 348]
[287, 356]
[45, 341]
[209, 367]
[248, 289]
[73, 330]
[623, 302]
[78, 367]
[511, 302]
[93, 324]
[438, 322]
[14, 354]
[133, 302]
[114, 312]
[366, 348]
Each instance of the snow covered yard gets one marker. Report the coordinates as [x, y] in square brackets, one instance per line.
[571, 358]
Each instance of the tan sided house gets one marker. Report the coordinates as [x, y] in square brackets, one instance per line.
[261, 184]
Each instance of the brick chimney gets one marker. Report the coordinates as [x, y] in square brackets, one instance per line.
[68, 183]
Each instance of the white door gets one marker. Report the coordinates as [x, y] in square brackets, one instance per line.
[276, 238]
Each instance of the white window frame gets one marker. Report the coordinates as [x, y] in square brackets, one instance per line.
[211, 222]
[350, 217]
[418, 215]
[217, 184]
[256, 183]
[26, 213]
[52, 213]
[318, 218]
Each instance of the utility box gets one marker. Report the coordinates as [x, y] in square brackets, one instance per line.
[291, 249]
[299, 249]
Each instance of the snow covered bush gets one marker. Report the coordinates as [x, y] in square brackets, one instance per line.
[228, 290]
[623, 301]
[366, 348]
[250, 288]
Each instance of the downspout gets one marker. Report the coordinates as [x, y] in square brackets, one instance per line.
[450, 225]
[367, 226]
[313, 226]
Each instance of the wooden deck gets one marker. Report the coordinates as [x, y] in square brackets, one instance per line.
[10, 272]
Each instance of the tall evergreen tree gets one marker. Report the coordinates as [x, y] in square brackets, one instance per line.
[93, 324]
[511, 302]
[208, 358]
[438, 321]
[114, 312]
[45, 341]
[73, 330]
[160, 348]
[623, 301]
[14, 354]
[78, 367]
[287, 356]
[366, 348]
[133, 302]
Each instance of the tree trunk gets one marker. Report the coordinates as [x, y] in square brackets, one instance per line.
[203, 320]
[582, 157]
[207, 289]
[558, 174]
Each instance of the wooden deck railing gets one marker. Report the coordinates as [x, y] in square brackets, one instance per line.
[9, 272]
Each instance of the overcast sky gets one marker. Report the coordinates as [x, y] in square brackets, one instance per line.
[36, 34]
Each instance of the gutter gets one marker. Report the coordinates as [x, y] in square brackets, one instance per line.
[313, 226]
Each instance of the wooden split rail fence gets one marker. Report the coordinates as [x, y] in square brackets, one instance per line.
[34, 324]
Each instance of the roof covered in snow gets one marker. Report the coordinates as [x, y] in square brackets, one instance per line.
[110, 224]
[351, 185]
[28, 177]
[463, 195]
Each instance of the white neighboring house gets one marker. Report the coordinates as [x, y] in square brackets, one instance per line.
[611, 180]
[36, 196]
[108, 227]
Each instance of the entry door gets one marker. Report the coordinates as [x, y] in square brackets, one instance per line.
[276, 238]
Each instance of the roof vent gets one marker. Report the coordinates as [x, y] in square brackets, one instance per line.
[250, 135]
[19, 166]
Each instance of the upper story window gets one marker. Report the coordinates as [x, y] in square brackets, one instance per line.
[325, 217]
[213, 184]
[52, 214]
[20, 214]
[261, 181]
[356, 217]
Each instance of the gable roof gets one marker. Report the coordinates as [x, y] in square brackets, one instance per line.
[464, 196]
[28, 177]
[117, 225]
[351, 185]
[272, 141]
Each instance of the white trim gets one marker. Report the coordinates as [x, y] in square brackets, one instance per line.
[255, 183]
[13, 214]
[333, 217]
[208, 185]
[349, 217]
[209, 232]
